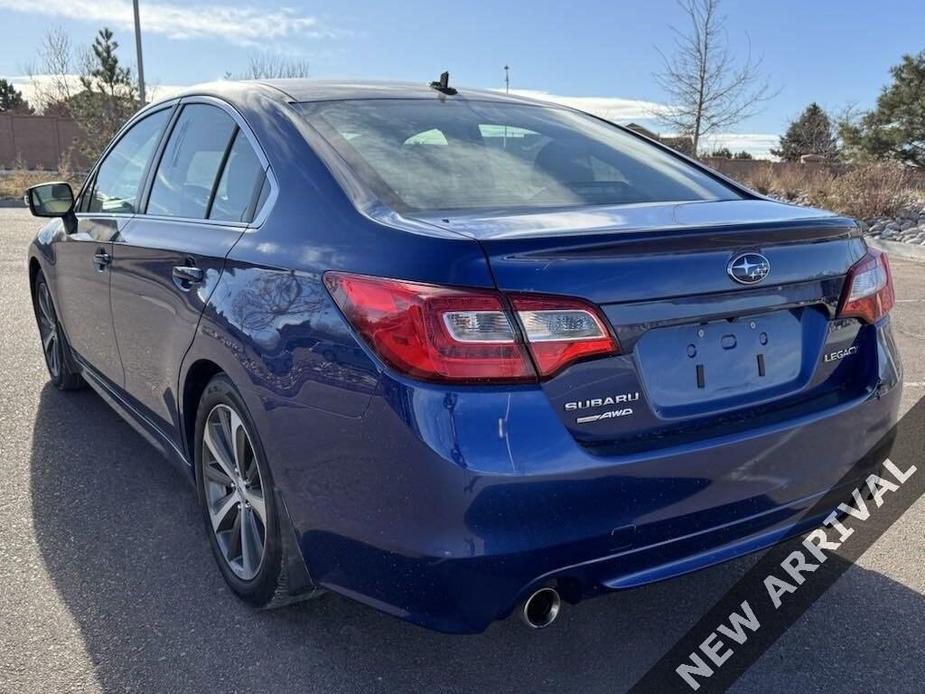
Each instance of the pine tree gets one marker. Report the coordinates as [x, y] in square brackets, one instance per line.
[11, 98]
[811, 133]
[895, 129]
[104, 74]
[108, 97]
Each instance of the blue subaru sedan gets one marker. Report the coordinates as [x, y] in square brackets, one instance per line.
[456, 354]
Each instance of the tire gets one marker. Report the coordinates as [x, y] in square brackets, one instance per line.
[237, 498]
[62, 369]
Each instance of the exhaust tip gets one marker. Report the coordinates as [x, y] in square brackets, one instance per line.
[541, 609]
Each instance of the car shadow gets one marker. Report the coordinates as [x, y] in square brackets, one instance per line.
[122, 539]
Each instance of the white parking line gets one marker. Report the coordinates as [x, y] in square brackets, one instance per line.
[914, 384]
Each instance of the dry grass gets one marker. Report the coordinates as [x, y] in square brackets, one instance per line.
[864, 192]
[872, 191]
[13, 183]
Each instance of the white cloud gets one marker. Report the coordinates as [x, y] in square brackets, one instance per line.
[28, 86]
[644, 113]
[241, 25]
[611, 108]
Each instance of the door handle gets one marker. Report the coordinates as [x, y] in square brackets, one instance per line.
[186, 275]
[101, 259]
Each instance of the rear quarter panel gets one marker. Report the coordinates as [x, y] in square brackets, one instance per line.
[273, 328]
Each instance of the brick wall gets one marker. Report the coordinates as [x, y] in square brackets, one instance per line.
[39, 142]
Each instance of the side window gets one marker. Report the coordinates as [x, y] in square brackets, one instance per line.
[510, 153]
[191, 161]
[428, 137]
[119, 176]
[263, 197]
[604, 171]
[238, 188]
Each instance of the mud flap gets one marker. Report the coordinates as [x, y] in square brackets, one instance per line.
[295, 584]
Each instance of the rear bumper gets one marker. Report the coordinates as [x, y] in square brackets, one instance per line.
[451, 507]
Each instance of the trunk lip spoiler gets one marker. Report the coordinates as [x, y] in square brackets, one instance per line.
[616, 223]
[666, 241]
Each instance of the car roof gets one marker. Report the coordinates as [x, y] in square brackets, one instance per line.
[304, 90]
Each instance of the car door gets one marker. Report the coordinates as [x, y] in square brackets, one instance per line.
[82, 257]
[200, 198]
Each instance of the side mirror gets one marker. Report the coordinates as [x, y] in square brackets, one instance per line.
[50, 200]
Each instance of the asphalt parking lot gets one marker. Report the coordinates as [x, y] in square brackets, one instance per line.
[107, 584]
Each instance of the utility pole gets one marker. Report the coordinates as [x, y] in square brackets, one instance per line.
[141, 66]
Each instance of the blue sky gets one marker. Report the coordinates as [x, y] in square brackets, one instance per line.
[837, 52]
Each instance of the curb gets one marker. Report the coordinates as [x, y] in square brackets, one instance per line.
[898, 249]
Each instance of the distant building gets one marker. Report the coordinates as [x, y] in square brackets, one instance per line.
[682, 143]
[635, 127]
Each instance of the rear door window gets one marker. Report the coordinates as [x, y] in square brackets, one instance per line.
[189, 167]
[239, 186]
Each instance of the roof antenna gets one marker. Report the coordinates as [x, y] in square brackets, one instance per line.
[443, 86]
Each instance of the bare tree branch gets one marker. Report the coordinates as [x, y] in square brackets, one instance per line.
[265, 65]
[708, 87]
[53, 74]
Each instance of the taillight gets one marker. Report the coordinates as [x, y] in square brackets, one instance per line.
[446, 334]
[559, 331]
[868, 292]
[433, 333]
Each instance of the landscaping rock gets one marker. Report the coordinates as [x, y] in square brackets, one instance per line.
[906, 226]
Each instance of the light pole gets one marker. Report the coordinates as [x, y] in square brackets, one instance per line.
[141, 66]
[507, 90]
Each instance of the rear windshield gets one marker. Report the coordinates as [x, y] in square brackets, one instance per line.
[419, 155]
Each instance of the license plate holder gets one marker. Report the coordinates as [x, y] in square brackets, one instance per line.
[690, 365]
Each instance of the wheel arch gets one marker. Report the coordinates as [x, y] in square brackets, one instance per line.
[35, 267]
[299, 584]
[197, 378]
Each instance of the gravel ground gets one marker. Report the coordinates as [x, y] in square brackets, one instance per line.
[108, 585]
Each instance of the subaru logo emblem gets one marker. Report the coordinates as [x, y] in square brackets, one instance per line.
[748, 268]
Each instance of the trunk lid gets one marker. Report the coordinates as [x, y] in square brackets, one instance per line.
[701, 352]
[647, 252]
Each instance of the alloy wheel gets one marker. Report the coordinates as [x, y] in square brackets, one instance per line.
[48, 330]
[234, 492]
